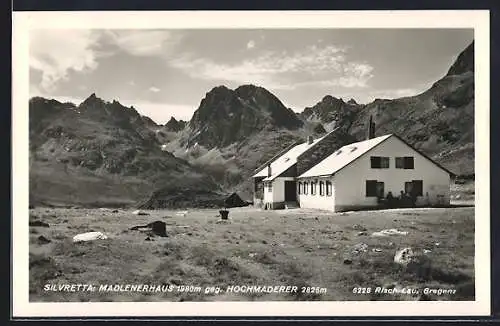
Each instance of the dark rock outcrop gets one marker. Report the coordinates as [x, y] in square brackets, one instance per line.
[228, 116]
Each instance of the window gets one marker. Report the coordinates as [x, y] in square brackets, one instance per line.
[399, 163]
[306, 187]
[299, 188]
[328, 188]
[270, 187]
[406, 162]
[313, 188]
[379, 162]
[374, 188]
[321, 188]
[415, 187]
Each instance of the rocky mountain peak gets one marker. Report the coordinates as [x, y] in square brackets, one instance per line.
[226, 116]
[464, 62]
[175, 125]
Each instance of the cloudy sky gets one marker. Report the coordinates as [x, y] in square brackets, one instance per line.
[165, 73]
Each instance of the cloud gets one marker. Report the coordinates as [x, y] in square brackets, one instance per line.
[394, 93]
[251, 44]
[143, 42]
[56, 52]
[154, 89]
[326, 66]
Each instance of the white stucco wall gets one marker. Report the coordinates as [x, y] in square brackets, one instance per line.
[350, 182]
[317, 201]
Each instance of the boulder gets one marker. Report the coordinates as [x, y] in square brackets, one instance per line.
[389, 232]
[404, 256]
[89, 236]
[139, 212]
[43, 240]
[157, 228]
[234, 200]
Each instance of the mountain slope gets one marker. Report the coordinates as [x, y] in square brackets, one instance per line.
[332, 112]
[99, 152]
[439, 121]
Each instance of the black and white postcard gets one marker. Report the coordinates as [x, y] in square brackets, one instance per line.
[251, 163]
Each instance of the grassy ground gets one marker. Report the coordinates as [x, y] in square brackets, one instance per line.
[296, 247]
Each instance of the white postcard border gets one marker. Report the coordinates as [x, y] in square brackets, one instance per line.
[23, 21]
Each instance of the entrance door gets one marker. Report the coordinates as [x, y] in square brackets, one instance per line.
[290, 191]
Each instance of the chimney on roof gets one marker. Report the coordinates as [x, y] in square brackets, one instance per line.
[371, 129]
[310, 140]
[269, 170]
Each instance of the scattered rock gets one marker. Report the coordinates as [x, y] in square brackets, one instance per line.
[31, 207]
[181, 213]
[359, 248]
[43, 240]
[252, 254]
[376, 250]
[39, 223]
[148, 239]
[114, 211]
[388, 232]
[404, 256]
[264, 241]
[176, 281]
[437, 244]
[362, 233]
[426, 251]
[157, 227]
[358, 227]
[139, 212]
[347, 261]
[89, 236]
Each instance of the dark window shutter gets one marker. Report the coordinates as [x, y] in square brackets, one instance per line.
[375, 162]
[408, 162]
[371, 188]
[300, 188]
